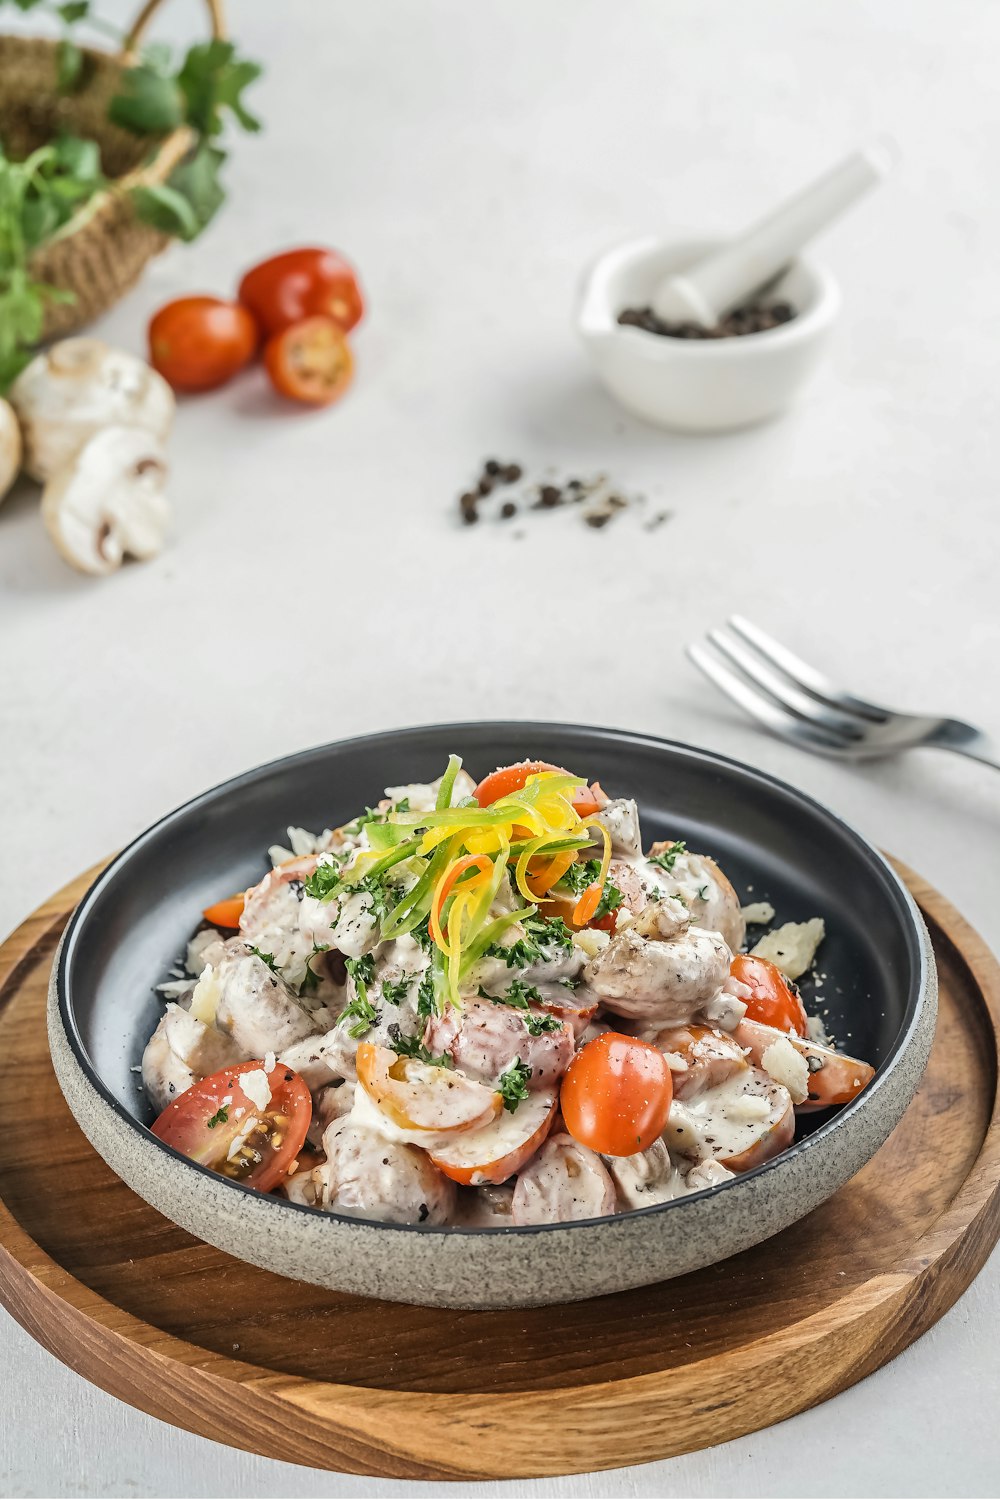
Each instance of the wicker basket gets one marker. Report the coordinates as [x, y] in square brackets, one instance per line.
[102, 250]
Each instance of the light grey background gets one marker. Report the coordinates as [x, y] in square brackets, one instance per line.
[471, 159]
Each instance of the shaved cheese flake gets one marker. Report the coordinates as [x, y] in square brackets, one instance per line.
[205, 1000]
[788, 1067]
[255, 1085]
[792, 948]
[758, 914]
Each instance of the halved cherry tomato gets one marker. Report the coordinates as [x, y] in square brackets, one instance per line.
[587, 800]
[615, 1097]
[299, 284]
[310, 362]
[226, 913]
[209, 1119]
[197, 343]
[773, 1000]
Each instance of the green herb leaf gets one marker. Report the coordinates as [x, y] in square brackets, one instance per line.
[412, 1046]
[69, 66]
[321, 882]
[266, 958]
[669, 857]
[212, 80]
[513, 1085]
[166, 209]
[219, 1118]
[394, 992]
[73, 10]
[150, 102]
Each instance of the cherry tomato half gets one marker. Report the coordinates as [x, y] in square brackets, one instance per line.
[197, 343]
[773, 1000]
[500, 783]
[615, 1097]
[310, 362]
[302, 284]
[205, 1121]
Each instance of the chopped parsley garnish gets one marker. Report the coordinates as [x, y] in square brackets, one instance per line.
[412, 1046]
[323, 879]
[426, 998]
[421, 934]
[669, 857]
[395, 991]
[519, 996]
[611, 899]
[540, 934]
[310, 980]
[579, 875]
[383, 895]
[361, 970]
[362, 1014]
[219, 1118]
[583, 874]
[513, 1085]
[265, 958]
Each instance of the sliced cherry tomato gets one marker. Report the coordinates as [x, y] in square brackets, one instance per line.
[310, 362]
[209, 1121]
[301, 284]
[197, 343]
[773, 1000]
[615, 1097]
[226, 913]
[587, 800]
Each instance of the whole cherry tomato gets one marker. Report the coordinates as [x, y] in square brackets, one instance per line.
[615, 1097]
[197, 343]
[773, 1000]
[310, 362]
[302, 284]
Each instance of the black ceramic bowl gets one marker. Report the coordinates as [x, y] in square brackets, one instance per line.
[878, 1000]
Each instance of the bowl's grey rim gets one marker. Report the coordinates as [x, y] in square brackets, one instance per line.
[921, 1004]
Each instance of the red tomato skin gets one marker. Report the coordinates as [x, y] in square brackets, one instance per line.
[773, 1001]
[616, 1095]
[300, 284]
[310, 362]
[184, 1123]
[199, 343]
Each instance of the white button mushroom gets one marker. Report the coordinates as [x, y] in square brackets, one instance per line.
[75, 389]
[109, 500]
[10, 447]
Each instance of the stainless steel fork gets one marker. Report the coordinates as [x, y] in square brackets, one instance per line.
[797, 703]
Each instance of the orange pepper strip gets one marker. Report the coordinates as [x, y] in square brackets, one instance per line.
[588, 904]
[480, 862]
[551, 872]
[226, 913]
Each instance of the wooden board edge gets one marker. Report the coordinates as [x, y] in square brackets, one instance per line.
[342, 1427]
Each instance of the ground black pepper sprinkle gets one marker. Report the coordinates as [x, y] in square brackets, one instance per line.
[508, 509]
[755, 317]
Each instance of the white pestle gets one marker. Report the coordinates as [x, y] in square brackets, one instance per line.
[708, 290]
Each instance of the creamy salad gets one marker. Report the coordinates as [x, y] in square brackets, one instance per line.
[484, 1005]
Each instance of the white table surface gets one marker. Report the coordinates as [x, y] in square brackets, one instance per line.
[471, 158]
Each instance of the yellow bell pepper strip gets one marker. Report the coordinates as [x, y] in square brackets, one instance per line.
[449, 880]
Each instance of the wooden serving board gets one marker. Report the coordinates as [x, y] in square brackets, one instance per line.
[287, 1370]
